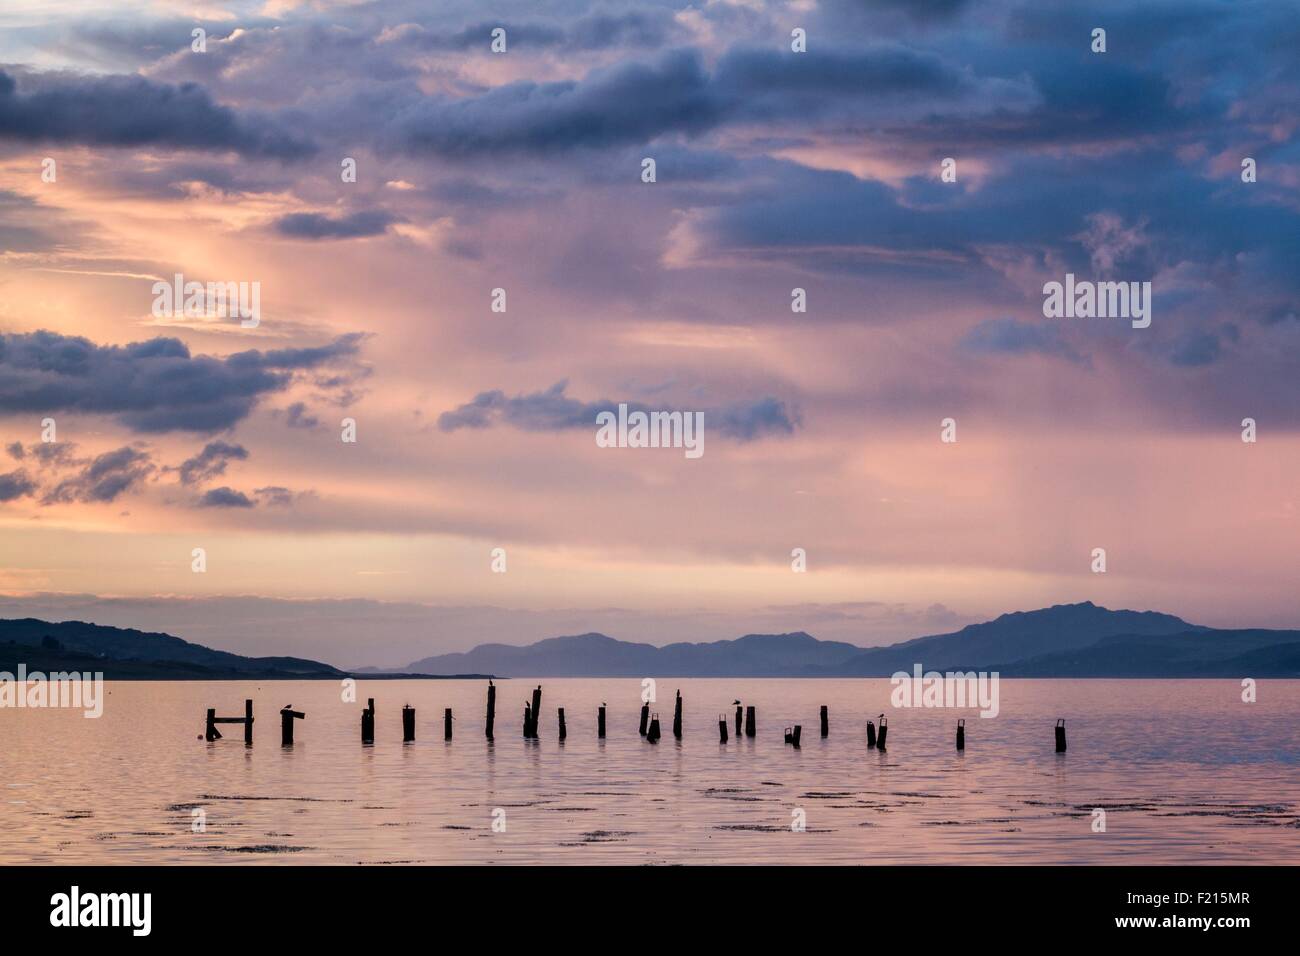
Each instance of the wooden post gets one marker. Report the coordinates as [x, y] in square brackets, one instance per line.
[211, 733]
[563, 732]
[446, 723]
[871, 734]
[408, 723]
[961, 733]
[528, 722]
[751, 721]
[492, 708]
[287, 717]
[722, 728]
[600, 722]
[248, 722]
[368, 722]
[652, 735]
[1060, 735]
[537, 709]
[884, 729]
[645, 719]
[826, 722]
[738, 708]
[677, 717]
[798, 732]
[789, 735]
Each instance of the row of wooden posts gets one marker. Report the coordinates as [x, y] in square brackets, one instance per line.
[649, 723]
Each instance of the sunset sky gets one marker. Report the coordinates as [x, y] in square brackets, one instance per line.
[522, 170]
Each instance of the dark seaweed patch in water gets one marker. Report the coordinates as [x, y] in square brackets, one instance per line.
[827, 794]
[257, 848]
[455, 826]
[757, 827]
[572, 809]
[213, 796]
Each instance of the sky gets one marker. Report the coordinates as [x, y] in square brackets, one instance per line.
[523, 171]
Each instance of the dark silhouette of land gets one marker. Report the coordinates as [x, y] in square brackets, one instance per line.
[128, 654]
[1067, 640]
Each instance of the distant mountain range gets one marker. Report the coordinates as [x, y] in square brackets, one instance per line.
[128, 654]
[1067, 640]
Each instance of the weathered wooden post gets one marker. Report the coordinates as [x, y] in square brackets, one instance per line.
[826, 722]
[789, 735]
[961, 733]
[652, 735]
[871, 734]
[492, 708]
[600, 722]
[408, 723]
[287, 716]
[798, 732]
[537, 709]
[738, 720]
[751, 721]
[677, 717]
[884, 729]
[446, 723]
[210, 731]
[1060, 735]
[645, 719]
[528, 722]
[722, 728]
[563, 732]
[368, 722]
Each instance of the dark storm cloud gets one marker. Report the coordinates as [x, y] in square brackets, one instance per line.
[314, 225]
[132, 111]
[224, 498]
[596, 31]
[151, 386]
[104, 478]
[15, 485]
[675, 93]
[553, 410]
[211, 462]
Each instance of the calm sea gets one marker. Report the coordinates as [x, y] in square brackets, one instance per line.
[1185, 772]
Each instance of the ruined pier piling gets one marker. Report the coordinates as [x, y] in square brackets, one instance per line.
[210, 731]
[368, 722]
[287, 716]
